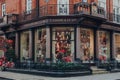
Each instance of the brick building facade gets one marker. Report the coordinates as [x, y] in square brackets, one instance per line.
[85, 30]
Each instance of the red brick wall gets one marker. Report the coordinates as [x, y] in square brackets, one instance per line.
[19, 6]
[16, 6]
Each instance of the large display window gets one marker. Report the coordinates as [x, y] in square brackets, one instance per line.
[24, 45]
[63, 44]
[104, 45]
[117, 47]
[40, 45]
[2, 46]
[86, 45]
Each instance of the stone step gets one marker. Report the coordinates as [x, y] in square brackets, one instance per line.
[98, 70]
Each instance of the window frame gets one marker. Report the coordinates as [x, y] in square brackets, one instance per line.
[3, 8]
[28, 6]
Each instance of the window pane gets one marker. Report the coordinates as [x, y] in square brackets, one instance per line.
[86, 44]
[117, 47]
[3, 9]
[40, 45]
[63, 44]
[24, 45]
[28, 6]
[104, 45]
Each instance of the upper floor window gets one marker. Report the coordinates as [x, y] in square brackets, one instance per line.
[28, 6]
[3, 9]
[62, 7]
[116, 6]
[116, 11]
[102, 3]
[84, 0]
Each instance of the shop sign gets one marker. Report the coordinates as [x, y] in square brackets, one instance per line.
[62, 20]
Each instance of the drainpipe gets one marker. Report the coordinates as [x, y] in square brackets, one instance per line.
[109, 11]
[37, 8]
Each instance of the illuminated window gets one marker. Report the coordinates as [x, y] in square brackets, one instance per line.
[86, 45]
[40, 45]
[63, 44]
[104, 45]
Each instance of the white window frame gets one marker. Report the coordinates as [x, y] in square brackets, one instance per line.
[84, 0]
[116, 11]
[3, 9]
[28, 6]
[62, 7]
[102, 3]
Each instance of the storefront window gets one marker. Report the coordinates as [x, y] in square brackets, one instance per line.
[63, 44]
[86, 45]
[104, 45]
[24, 46]
[2, 46]
[40, 45]
[117, 47]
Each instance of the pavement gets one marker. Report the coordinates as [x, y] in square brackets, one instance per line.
[18, 76]
[1, 78]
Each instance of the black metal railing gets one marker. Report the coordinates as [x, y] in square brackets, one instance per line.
[3, 20]
[9, 19]
[54, 10]
[114, 17]
[69, 9]
[47, 10]
[82, 8]
[55, 67]
[28, 15]
[12, 18]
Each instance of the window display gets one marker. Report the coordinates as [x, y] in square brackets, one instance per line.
[40, 45]
[86, 44]
[63, 44]
[24, 45]
[2, 46]
[104, 45]
[117, 47]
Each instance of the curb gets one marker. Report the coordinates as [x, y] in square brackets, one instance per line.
[50, 73]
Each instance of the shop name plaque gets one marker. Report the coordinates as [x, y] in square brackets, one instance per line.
[61, 20]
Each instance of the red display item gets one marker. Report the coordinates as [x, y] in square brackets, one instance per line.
[1, 62]
[67, 59]
[102, 58]
[9, 41]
